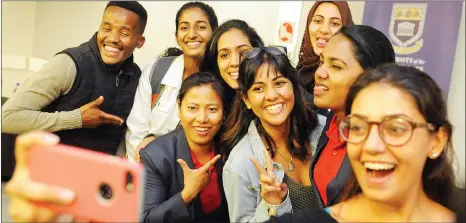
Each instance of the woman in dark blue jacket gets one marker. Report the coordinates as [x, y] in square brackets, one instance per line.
[183, 170]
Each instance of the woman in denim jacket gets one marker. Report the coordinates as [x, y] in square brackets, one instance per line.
[278, 136]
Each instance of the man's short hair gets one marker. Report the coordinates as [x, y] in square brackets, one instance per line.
[135, 7]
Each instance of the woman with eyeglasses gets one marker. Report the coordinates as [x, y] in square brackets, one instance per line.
[348, 53]
[399, 148]
[223, 51]
[270, 144]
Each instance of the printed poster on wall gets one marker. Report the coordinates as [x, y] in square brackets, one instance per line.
[286, 31]
[423, 34]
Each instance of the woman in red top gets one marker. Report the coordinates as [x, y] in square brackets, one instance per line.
[348, 53]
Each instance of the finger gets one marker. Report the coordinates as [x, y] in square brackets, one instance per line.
[97, 102]
[64, 218]
[271, 173]
[183, 165]
[268, 160]
[258, 166]
[144, 144]
[20, 211]
[44, 215]
[265, 189]
[40, 192]
[283, 190]
[111, 119]
[266, 179]
[209, 164]
[25, 141]
[136, 157]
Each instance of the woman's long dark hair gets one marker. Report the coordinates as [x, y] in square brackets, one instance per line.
[209, 62]
[303, 119]
[438, 176]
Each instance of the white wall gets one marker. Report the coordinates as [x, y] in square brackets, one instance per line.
[60, 25]
[17, 27]
[17, 41]
[160, 29]
[456, 104]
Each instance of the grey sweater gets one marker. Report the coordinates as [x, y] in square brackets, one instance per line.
[21, 113]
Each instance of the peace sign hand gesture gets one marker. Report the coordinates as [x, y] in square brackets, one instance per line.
[272, 191]
[195, 180]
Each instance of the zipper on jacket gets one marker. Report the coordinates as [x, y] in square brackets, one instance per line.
[117, 80]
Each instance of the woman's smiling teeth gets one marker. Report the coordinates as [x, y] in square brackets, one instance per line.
[378, 166]
[201, 129]
[193, 44]
[274, 108]
[234, 75]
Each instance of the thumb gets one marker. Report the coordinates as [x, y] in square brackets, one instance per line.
[98, 101]
[183, 164]
[26, 141]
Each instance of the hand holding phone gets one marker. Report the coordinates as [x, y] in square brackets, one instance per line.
[106, 188]
[22, 191]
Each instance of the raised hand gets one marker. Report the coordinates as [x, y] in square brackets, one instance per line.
[195, 180]
[23, 191]
[272, 191]
[141, 145]
[93, 117]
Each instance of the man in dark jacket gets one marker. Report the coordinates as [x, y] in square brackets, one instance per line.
[84, 94]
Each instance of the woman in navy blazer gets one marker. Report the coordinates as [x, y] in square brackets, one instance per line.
[183, 178]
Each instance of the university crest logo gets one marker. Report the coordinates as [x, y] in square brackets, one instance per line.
[406, 27]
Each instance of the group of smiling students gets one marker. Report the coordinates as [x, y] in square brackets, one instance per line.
[240, 134]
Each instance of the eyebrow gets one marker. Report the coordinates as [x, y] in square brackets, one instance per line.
[198, 21]
[197, 104]
[275, 78]
[330, 18]
[235, 48]
[396, 115]
[121, 27]
[333, 58]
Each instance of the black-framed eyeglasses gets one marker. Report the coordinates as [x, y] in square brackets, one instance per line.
[393, 130]
[275, 50]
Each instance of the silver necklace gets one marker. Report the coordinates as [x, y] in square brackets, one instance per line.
[290, 163]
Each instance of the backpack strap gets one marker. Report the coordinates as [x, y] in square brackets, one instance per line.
[159, 69]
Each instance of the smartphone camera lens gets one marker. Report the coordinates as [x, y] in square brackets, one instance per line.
[105, 191]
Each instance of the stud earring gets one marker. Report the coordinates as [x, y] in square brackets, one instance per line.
[433, 155]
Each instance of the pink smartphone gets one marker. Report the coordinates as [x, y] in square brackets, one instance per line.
[108, 188]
